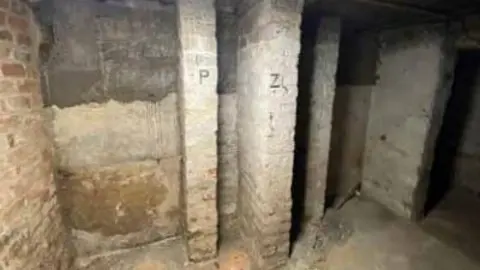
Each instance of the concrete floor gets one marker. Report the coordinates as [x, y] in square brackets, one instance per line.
[361, 236]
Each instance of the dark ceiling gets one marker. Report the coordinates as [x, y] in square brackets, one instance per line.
[374, 14]
[371, 14]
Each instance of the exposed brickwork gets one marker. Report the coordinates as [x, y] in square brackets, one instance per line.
[13, 70]
[32, 235]
[267, 91]
[18, 23]
[24, 40]
[198, 105]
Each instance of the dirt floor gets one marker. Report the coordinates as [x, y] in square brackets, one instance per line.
[456, 221]
[360, 236]
[364, 236]
[167, 255]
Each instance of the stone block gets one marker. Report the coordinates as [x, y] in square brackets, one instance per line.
[92, 134]
[123, 205]
[400, 135]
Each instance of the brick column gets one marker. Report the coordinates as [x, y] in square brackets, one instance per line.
[321, 105]
[267, 91]
[198, 106]
[32, 235]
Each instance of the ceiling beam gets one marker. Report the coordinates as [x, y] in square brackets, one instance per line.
[404, 7]
[467, 43]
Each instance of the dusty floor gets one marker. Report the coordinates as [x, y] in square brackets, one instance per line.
[361, 236]
[167, 255]
[364, 236]
[457, 221]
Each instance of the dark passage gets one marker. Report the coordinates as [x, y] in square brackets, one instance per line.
[454, 121]
[356, 74]
[305, 76]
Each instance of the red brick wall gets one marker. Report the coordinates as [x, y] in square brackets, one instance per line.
[32, 235]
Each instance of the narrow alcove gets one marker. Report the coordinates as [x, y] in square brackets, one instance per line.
[355, 77]
[455, 120]
[453, 199]
[306, 62]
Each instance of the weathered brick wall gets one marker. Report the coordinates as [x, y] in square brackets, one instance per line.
[111, 83]
[267, 91]
[199, 108]
[32, 235]
[227, 114]
[415, 75]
